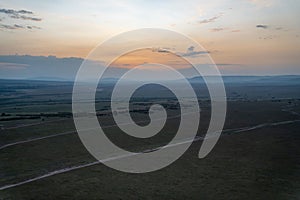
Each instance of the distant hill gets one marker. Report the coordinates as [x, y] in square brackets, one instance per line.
[51, 68]
[284, 79]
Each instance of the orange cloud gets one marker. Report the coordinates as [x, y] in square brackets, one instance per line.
[146, 56]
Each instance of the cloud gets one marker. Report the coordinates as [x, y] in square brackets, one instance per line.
[14, 12]
[262, 26]
[217, 29]
[162, 49]
[281, 29]
[20, 14]
[275, 28]
[192, 53]
[26, 17]
[33, 27]
[268, 37]
[213, 19]
[11, 27]
[17, 27]
[25, 12]
[191, 48]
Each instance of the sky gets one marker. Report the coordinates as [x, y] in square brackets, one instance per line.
[243, 37]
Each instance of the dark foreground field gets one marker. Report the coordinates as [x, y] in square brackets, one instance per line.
[257, 156]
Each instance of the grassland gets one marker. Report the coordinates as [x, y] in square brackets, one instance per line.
[258, 163]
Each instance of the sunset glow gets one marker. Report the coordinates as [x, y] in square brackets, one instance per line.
[243, 37]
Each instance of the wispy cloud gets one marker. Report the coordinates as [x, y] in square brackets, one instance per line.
[16, 27]
[11, 27]
[217, 29]
[262, 26]
[268, 37]
[33, 27]
[20, 14]
[14, 12]
[192, 53]
[213, 19]
[26, 17]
